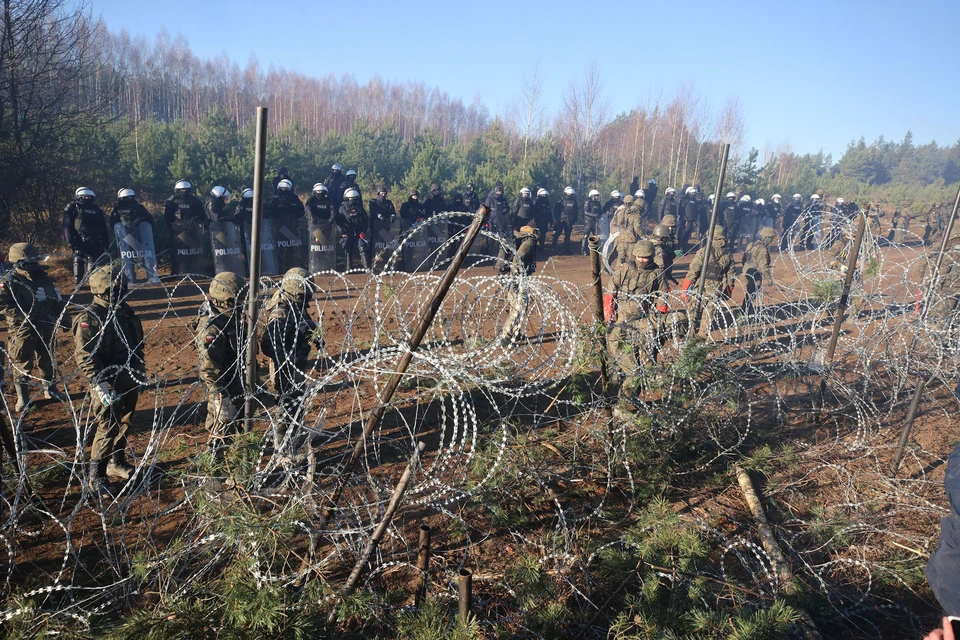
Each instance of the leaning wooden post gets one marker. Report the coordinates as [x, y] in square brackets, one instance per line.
[391, 387]
[694, 318]
[379, 532]
[841, 307]
[924, 310]
[259, 171]
[594, 244]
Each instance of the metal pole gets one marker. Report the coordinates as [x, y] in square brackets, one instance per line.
[379, 532]
[842, 306]
[907, 425]
[594, 243]
[423, 564]
[924, 307]
[694, 323]
[259, 166]
[479, 218]
[466, 594]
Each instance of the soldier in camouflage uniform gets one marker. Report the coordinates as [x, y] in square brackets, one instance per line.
[946, 300]
[638, 293]
[901, 223]
[108, 338]
[221, 334]
[626, 221]
[934, 225]
[628, 217]
[32, 306]
[756, 268]
[664, 250]
[718, 281]
[289, 335]
[873, 213]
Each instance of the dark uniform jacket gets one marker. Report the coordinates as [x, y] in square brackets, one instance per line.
[382, 209]
[319, 208]
[411, 210]
[85, 228]
[183, 211]
[352, 218]
[129, 213]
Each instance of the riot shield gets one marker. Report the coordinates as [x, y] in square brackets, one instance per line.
[191, 247]
[286, 232]
[415, 251]
[268, 248]
[227, 248]
[324, 244]
[384, 240]
[128, 242]
[603, 227]
[149, 252]
[437, 234]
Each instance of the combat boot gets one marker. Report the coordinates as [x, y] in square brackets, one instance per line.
[50, 392]
[23, 396]
[118, 465]
[98, 482]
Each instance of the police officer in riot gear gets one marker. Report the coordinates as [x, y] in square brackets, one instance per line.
[411, 211]
[352, 221]
[542, 213]
[591, 215]
[332, 183]
[382, 216]
[434, 203]
[319, 205]
[128, 211]
[183, 211]
[615, 200]
[283, 174]
[470, 199]
[217, 207]
[85, 230]
[350, 182]
[286, 210]
[565, 214]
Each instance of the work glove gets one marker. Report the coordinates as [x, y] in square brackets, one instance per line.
[106, 395]
[343, 241]
[41, 294]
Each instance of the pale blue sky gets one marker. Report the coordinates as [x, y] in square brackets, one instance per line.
[814, 73]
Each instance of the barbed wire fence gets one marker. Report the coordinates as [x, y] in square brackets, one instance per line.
[525, 478]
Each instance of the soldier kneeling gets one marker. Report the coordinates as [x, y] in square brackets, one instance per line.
[108, 338]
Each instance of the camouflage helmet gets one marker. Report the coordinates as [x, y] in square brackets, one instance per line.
[226, 287]
[105, 278]
[719, 233]
[296, 283]
[22, 252]
[662, 231]
[767, 232]
[627, 199]
[669, 220]
[643, 249]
